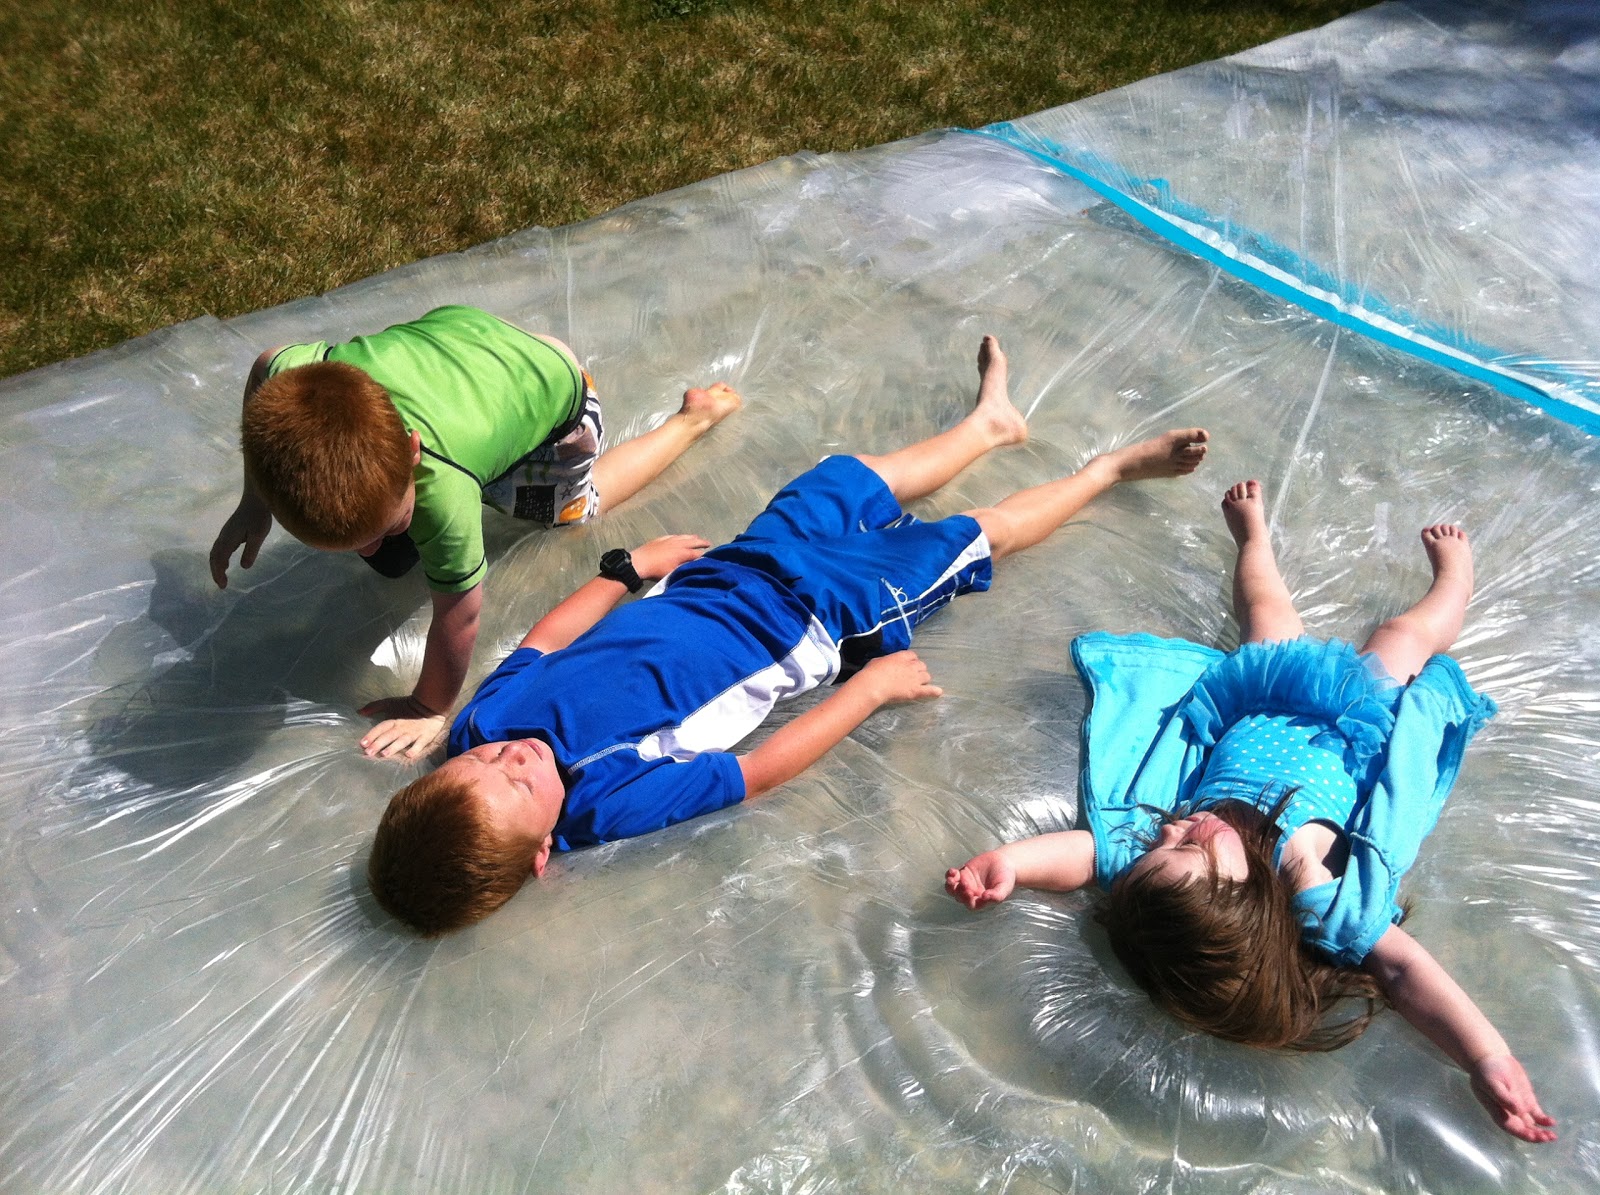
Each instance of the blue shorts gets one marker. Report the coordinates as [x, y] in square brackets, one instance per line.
[865, 569]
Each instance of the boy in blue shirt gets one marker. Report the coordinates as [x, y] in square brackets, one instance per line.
[607, 723]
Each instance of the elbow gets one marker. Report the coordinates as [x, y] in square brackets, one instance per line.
[756, 783]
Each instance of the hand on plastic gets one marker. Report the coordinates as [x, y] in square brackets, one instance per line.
[656, 559]
[900, 677]
[244, 528]
[1502, 1087]
[985, 880]
[406, 731]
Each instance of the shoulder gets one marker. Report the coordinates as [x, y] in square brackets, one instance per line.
[1315, 854]
[287, 356]
[616, 793]
[458, 317]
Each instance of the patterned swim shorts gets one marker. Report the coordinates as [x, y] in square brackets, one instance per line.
[552, 484]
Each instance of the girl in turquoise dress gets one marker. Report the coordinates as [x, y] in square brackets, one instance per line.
[1250, 815]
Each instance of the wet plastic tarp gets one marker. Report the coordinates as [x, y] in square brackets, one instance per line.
[200, 995]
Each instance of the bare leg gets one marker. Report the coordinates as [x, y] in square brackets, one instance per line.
[1029, 516]
[1261, 600]
[1405, 642]
[917, 470]
[622, 471]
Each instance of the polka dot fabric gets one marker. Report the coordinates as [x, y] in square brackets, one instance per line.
[1263, 755]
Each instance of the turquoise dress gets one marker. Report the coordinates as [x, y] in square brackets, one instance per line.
[1172, 725]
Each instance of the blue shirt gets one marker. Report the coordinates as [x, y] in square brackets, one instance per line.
[640, 710]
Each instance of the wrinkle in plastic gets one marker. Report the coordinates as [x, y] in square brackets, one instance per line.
[201, 996]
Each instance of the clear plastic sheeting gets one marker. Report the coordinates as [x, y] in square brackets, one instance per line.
[1433, 169]
[200, 995]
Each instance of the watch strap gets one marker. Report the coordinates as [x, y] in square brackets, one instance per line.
[617, 565]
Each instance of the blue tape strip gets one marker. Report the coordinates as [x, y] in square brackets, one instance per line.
[1281, 272]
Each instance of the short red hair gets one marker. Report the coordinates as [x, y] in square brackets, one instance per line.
[437, 862]
[327, 451]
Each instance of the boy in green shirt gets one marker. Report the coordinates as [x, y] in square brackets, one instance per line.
[390, 444]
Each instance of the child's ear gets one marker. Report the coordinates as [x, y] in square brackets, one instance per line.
[541, 857]
[416, 449]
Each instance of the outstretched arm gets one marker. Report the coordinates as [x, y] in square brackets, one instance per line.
[1060, 862]
[1423, 993]
[248, 525]
[415, 725]
[598, 596]
[795, 747]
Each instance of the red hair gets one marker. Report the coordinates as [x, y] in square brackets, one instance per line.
[327, 451]
[437, 862]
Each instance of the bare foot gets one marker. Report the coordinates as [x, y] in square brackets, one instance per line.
[1450, 554]
[1405, 642]
[1244, 511]
[1002, 422]
[1171, 454]
[711, 405]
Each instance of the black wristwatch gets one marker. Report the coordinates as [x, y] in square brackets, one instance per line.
[617, 565]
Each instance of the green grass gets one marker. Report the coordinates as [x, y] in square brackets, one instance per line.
[167, 159]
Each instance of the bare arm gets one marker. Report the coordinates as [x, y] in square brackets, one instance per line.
[1060, 862]
[794, 748]
[452, 635]
[250, 521]
[414, 725]
[575, 614]
[597, 597]
[1423, 993]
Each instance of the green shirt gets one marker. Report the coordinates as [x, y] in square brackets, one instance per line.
[482, 394]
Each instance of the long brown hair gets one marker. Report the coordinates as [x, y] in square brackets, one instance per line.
[1225, 956]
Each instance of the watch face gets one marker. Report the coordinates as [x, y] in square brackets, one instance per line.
[617, 565]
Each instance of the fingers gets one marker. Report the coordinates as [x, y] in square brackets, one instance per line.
[219, 564]
[1502, 1086]
[919, 678]
[968, 887]
[384, 739]
[680, 540]
[1533, 1129]
[902, 676]
[960, 883]
[661, 555]
[1521, 1116]
[409, 738]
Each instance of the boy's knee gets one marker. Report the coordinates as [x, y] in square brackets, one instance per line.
[996, 526]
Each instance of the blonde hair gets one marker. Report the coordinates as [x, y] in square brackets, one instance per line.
[328, 453]
[1226, 957]
[437, 863]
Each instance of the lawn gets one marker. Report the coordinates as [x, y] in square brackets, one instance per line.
[165, 159]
